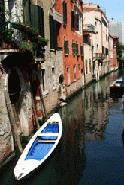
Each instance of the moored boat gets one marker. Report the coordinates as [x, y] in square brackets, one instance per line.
[117, 88]
[40, 146]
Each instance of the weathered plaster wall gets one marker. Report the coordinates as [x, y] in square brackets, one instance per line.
[6, 136]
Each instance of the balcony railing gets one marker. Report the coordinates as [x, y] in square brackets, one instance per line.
[89, 28]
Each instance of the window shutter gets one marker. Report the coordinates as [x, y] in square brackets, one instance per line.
[27, 9]
[41, 21]
[73, 48]
[106, 51]
[72, 20]
[76, 49]
[76, 22]
[81, 50]
[66, 50]
[2, 16]
[53, 35]
[64, 13]
[34, 17]
[37, 19]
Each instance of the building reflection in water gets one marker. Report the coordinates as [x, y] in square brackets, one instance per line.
[95, 100]
[65, 165]
[84, 118]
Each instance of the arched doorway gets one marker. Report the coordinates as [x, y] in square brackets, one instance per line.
[14, 86]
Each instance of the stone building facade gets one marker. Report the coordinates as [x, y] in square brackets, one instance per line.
[94, 16]
[31, 69]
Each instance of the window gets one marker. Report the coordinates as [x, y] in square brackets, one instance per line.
[75, 48]
[68, 73]
[64, 13]
[2, 17]
[103, 52]
[34, 16]
[87, 39]
[72, 20]
[81, 50]
[106, 51]
[86, 66]
[90, 68]
[53, 34]
[74, 72]
[54, 77]
[76, 21]
[66, 49]
[79, 67]
[43, 78]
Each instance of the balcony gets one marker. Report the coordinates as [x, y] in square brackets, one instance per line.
[57, 16]
[89, 28]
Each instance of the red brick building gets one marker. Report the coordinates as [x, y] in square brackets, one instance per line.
[70, 38]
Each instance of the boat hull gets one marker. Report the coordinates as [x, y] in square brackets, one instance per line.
[116, 92]
[40, 147]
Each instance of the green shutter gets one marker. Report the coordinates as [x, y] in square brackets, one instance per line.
[2, 16]
[34, 17]
[81, 50]
[64, 13]
[41, 21]
[27, 9]
[37, 19]
[72, 20]
[66, 49]
[53, 34]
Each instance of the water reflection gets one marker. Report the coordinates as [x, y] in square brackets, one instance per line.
[85, 117]
[96, 110]
[64, 165]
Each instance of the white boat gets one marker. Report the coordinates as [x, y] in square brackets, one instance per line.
[40, 146]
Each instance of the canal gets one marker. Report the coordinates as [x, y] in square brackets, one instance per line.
[91, 151]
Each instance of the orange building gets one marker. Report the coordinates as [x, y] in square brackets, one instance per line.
[70, 39]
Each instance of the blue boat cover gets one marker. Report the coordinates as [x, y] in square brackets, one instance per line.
[40, 149]
[52, 128]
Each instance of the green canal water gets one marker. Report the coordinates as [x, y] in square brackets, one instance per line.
[91, 151]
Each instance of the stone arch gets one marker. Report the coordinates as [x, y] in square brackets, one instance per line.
[14, 86]
[21, 99]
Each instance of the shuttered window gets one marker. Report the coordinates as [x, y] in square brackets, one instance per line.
[34, 16]
[53, 34]
[27, 14]
[106, 51]
[76, 21]
[64, 4]
[75, 48]
[81, 50]
[66, 49]
[72, 20]
[103, 51]
[2, 16]
[37, 18]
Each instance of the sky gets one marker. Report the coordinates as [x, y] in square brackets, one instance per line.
[113, 8]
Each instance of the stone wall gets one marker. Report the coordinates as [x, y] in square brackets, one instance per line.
[6, 136]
